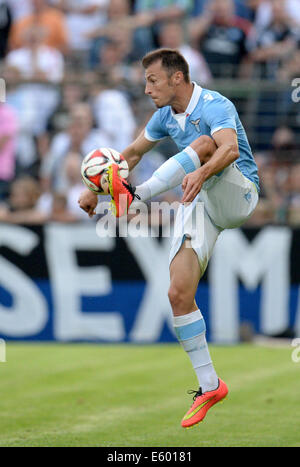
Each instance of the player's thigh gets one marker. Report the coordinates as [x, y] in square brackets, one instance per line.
[232, 199]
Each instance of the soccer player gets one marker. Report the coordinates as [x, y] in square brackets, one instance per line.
[215, 166]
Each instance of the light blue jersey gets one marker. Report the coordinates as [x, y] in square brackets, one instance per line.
[207, 112]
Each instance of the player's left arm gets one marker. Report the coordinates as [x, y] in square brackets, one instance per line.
[227, 152]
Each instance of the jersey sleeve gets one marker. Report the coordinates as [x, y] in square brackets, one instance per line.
[220, 114]
[154, 130]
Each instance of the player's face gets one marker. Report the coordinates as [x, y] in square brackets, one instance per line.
[159, 86]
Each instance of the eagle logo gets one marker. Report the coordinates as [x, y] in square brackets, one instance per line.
[196, 123]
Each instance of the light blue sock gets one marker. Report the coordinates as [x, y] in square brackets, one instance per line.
[170, 174]
[190, 330]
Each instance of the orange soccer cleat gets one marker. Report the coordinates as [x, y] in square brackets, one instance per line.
[202, 403]
[122, 193]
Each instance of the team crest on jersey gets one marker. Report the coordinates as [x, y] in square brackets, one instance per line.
[196, 124]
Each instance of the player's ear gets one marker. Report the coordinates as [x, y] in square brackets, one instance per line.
[177, 77]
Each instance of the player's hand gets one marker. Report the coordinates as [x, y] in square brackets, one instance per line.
[191, 185]
[88, 202]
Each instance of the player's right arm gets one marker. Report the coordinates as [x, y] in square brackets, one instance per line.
[133, 153]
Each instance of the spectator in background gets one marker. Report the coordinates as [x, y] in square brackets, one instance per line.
[290, 68]
[8, 140]
[59, 210]
[125, 30]
[71, 94]
[244, 8]
[156, 13]
[19, 9]
[264, 12]
[35, 61]
[272, 45]
[63, 205]
[275, 171]
[5, 25]
[265, 212]
[34, 99]
[163, 10]
[80, 137]
[21, 206]
[74, 186]
[137, 33]
[111, 56]
[284, 150]
[46, 18]
[82, 17]
[25, 205]
[113, 114]
[172, 36]
[221, 36]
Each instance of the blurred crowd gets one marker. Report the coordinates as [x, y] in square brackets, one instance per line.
[74, 83]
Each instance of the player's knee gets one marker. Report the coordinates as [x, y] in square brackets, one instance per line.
[204, 147]
[175, 297]
[179, 298]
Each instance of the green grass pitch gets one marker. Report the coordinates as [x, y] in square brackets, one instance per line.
[129, 395]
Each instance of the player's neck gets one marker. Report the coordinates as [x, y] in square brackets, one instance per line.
[182, 99]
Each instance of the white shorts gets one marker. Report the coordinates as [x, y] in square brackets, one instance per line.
[225, 202]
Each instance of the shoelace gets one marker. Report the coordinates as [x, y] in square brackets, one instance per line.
[196, 393]
[131, 190]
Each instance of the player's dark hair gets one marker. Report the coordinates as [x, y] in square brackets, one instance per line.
[171, 61]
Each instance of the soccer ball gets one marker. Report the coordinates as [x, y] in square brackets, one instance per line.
[94, 169]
